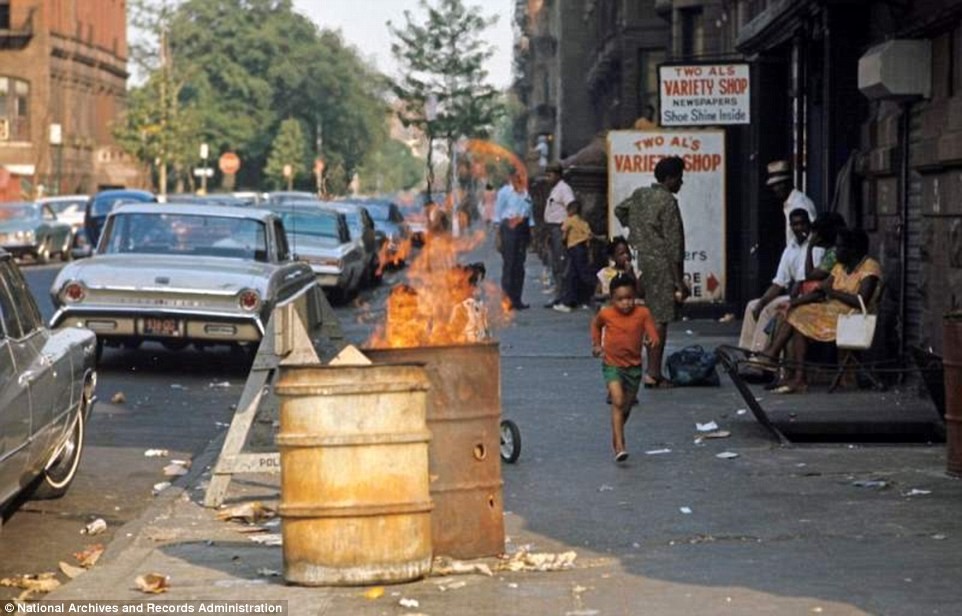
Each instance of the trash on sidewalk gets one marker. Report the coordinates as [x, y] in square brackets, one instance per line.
[712, 435]
[268, 539]
[251, 513]
[375, 593]
[32, 583]
[265, 572]
[70, 570]
[159, 487]
[95, 528]
[223, 384]
[177, 386]
[741, 412]
[177, 468]
[408, 603]
[711, 426]
[685, 510]
[877, 484]
[917, 492]
[728, 317]
[443, 566]
[89, 557]
[152, 583]
[726, 455]
[522, 560]
[156, 453]
[118, 398]
[452, 586]
[605, 488]
[657, 452]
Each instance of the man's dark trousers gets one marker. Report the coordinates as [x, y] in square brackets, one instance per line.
[514, 248]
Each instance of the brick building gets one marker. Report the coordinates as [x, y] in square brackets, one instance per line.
[889, 160]
[63, 74]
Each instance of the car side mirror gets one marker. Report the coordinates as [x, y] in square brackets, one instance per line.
[81, 253]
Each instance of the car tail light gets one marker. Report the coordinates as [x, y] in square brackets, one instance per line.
[249, 300]
[73, 292]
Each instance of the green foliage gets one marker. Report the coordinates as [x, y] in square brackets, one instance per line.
[391, 167]
[443, 57]
[247, 65]
[289, 148]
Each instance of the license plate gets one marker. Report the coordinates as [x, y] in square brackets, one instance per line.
[161, 327]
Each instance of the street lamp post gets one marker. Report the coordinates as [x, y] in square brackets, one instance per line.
[56, 140]
[204, 154]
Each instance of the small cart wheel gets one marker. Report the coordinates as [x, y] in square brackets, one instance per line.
[510, 441]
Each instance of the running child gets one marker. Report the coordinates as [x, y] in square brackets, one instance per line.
[618, 332]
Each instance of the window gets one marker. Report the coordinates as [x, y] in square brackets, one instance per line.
[692, 33]
[283, 250]
[4, 15]
[15, 108]
[30, 319]
[648, 61]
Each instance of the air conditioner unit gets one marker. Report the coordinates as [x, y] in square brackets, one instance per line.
[4, 129]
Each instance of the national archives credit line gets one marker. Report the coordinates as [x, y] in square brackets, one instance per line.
[147, 607]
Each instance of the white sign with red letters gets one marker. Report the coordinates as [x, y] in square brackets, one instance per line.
[632, 156]
[704, 94]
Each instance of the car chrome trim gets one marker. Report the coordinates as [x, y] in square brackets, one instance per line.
[91, 311]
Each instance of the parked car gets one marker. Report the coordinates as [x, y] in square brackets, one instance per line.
[103, 203]
[69, 209]
[417, 222]
[283, 196]
[321, 238]
[390, 228]
[361, 225]
[47, 382]
[32, 229]
[181, 274]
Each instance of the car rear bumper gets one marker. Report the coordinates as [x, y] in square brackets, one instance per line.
[117, 323]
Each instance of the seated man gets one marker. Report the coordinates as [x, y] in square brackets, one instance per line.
[799, 258]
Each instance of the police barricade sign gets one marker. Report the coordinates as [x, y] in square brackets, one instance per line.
[632, 156]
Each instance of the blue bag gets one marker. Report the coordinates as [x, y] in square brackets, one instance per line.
[693, 366]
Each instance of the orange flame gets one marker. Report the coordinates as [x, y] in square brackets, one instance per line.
[443, 302]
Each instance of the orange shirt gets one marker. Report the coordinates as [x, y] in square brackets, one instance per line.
[621, 336]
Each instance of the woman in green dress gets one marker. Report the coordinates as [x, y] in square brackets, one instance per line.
[657, 234]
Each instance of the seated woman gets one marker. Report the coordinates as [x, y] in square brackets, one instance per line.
[824, 235]
[814, 315]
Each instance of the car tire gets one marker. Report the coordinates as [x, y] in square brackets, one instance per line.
[60, 471]
[100, 349]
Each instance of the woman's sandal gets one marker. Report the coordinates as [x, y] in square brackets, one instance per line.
[763, 362]
[790, 389]
[658, 383]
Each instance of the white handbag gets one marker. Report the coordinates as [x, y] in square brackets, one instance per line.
[855, 330]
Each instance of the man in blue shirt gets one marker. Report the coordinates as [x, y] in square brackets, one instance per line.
[514, 218]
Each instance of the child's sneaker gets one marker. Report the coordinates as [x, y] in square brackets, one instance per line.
[562, 308]
[621, 456]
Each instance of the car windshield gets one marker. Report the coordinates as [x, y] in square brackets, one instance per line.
[19, 211]
[310, 223]
[68, 207]
[381, 211]
[186, 234]
[102, 206]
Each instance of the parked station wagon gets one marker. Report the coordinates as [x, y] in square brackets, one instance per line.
[181, 274]
[47, 382]
[33, 229]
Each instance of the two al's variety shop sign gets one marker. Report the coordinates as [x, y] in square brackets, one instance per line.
[704, 94]
[632, 156]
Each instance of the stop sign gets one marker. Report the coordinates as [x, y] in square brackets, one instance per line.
[229, 163]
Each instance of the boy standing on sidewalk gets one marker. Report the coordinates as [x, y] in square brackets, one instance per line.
[618, 332]
[580, 279]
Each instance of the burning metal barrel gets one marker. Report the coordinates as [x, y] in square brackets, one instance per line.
[463, 414]
[354, 474]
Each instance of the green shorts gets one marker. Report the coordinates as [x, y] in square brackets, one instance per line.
[630, 376]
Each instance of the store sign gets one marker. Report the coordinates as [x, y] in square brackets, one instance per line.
[632, 156]
[704, 94]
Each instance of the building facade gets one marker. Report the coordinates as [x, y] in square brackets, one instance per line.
[63, 75]
[890, 162]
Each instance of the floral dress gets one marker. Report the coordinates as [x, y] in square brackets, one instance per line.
[657, 233]
[818, 321]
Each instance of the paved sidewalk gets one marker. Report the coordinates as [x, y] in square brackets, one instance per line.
[776, 530]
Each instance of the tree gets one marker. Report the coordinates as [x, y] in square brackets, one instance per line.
[289, 148]
[244, 66]
[391, 167]
[442, 59]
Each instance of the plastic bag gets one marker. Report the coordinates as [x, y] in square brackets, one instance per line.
[693, 366]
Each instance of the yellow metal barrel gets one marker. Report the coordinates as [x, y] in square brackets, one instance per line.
[355, 498]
